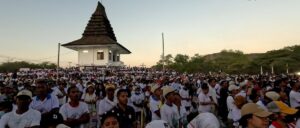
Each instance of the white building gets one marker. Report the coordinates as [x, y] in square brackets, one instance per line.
[98, 45]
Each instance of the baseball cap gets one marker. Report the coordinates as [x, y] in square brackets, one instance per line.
[284, 108]
[25, 93]
[158, 124]
[273, 95]
[167, 90]
[252, 108]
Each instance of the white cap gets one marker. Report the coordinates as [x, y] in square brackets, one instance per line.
[25, 93]
[158, 124]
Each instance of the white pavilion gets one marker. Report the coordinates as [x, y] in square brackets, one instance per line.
[98, 45]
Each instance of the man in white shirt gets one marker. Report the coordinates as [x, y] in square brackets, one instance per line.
[233, 91]
[75, 113]
[80, 86]
[137, 99]
[169, 111]
[155, 102]
[295, 95]
[44, 102]
[205, 100]
[107, 103]
[212, 90]
[23, 116]
[186, 98]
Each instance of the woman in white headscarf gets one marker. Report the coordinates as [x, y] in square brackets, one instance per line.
[204, 120]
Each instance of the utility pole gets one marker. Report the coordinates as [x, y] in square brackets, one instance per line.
[57, 68]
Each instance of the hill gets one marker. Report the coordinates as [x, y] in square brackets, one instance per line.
[233, 61]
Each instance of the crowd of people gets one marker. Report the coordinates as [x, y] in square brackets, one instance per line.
[147, 98]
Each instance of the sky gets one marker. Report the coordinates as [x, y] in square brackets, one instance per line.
[31, 29]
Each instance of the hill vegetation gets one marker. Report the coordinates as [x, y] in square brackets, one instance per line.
[14, 66]
[235, 62]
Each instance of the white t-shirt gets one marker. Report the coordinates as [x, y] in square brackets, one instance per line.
[230, 106]
[28, 119]
[154, 106]
[49, 103]
[57, 92]
[217, 89]
[185, 94]
[137, 98]
[67, 111]
[294, 99]
[105, 105]
[88, 98]
[183, 115]
[80, 87]
[170, 114]
[204, 98]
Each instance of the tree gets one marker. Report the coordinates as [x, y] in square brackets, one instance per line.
[14, 66]
[235, 61]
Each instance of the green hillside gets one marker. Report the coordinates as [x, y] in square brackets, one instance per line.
[234, 62]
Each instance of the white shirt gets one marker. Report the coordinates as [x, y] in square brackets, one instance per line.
[212, 92]
[88, 98]
[298, 123]
[176, 86]
[170, 114]
[183, 115]
[67, 111]
[80, 87]
[294, 99]
[28, 119]
[185, 94]
[204, 98]
[242, 93]
[154, 106]
[137, 98]
[105, 105]
[49, 103]
[57, 92]
[230, 106]
[236, 116]
[217, 89]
